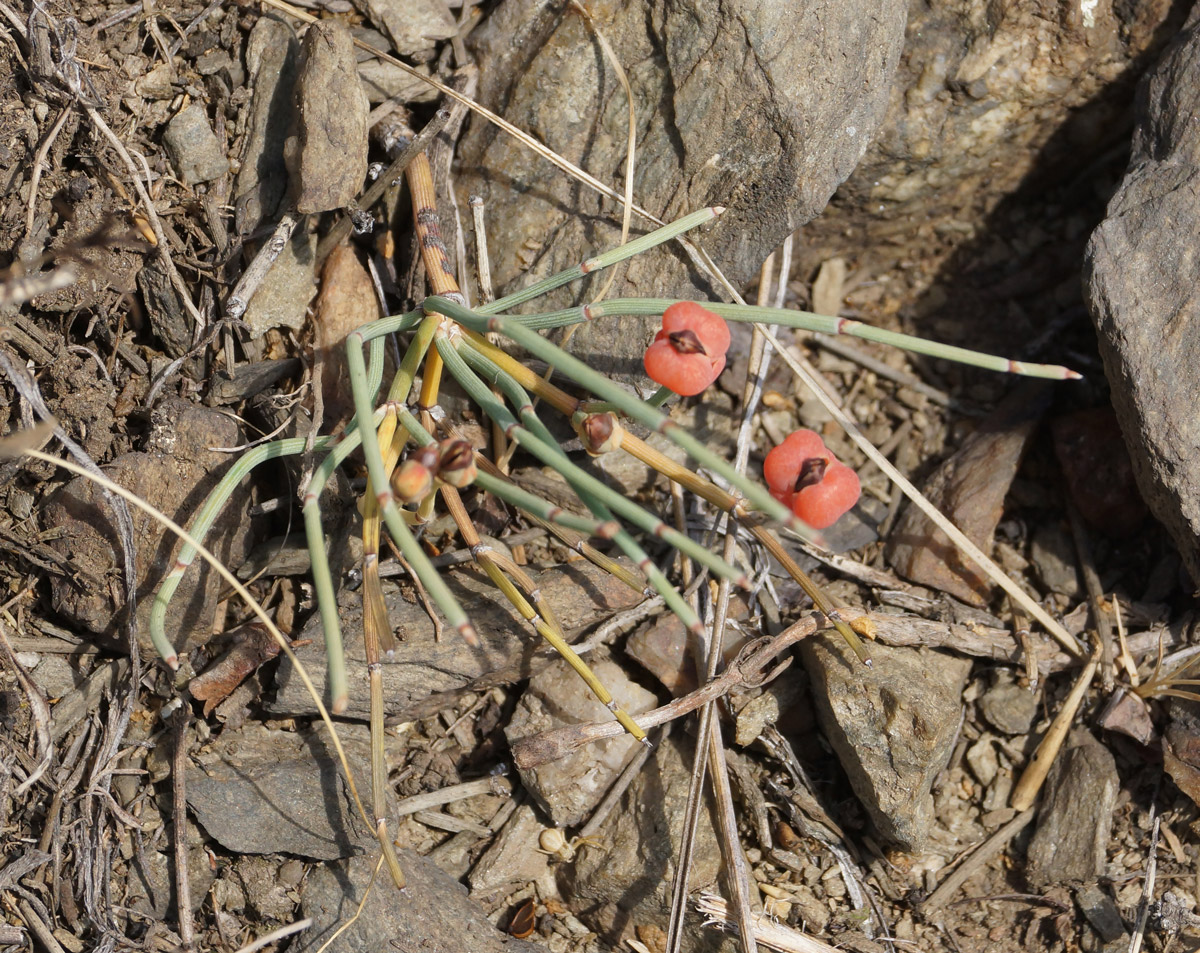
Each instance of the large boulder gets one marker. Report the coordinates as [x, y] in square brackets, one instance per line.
[1141, 275]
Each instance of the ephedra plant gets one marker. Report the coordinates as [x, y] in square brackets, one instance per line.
[415, 461]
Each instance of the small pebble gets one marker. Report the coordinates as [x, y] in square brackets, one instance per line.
[1007, 707]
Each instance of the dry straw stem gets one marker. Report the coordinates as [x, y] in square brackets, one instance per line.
[8, 450]
[1026, 791]
[766, 929]
[276, 935]
[978, 857]
[745, 671]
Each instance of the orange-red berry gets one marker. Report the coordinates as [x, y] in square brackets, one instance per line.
[806, 477]
[688, 354]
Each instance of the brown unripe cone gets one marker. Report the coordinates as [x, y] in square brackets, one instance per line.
[600, 433]
[456, 465]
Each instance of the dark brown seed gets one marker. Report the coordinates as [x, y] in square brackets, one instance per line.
[686, 342]
[812, 472]
[523, 921]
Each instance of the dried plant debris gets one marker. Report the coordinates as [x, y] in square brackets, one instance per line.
[148, 155]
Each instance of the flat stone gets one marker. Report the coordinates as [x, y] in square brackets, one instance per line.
[196, 153]
[1052, 553]
[1130, 715]
[569, 788]
[628, 878]
[175, 473]
[282, 299]
[272, 55]
[1181, 747]
[432, 912]
[1141, 271]
[1075, 819]
[513, 857]
[892, 726]
[262, 791]
[414, 26]
[424, 674]
[969, 488]
[1008, 707]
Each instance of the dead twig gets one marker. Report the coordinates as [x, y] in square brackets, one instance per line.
[1091, 581]
[1034, 775]
[1135, 941]
[747, 670]
[40, 711]
[276, 935]
[766, 929]
[977, 858]
[183, 885]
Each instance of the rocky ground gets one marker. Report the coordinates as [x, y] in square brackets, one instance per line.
[1020, 181]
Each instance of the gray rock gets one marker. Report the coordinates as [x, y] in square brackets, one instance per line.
[976, 107]
[196, 153]
[736, 105]
[569, 788]
[1141, 272]
[1101, 912]
[1075, 819]
[513, 857]
[271, 56]
[1008, 707]
[629, 877]
[261, 791]
[282, 299]
[424, 675]
[413, 25]
[328, 160]
[151, 881]
[892, 726]
[432, 912]
[1053, 553]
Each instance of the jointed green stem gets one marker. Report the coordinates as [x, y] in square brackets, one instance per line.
[626, 402]
[539, 440]
[430, 578]
[220, 496]
[203, 523]
[602, 261]
[483, 396]
[801, 320]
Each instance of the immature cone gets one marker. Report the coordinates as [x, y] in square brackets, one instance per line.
[456, 463]
[599, 433]
[413, 479]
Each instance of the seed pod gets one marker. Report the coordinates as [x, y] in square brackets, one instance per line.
[600, 433]
[688, 354]
[806, 477]
[456, 463]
